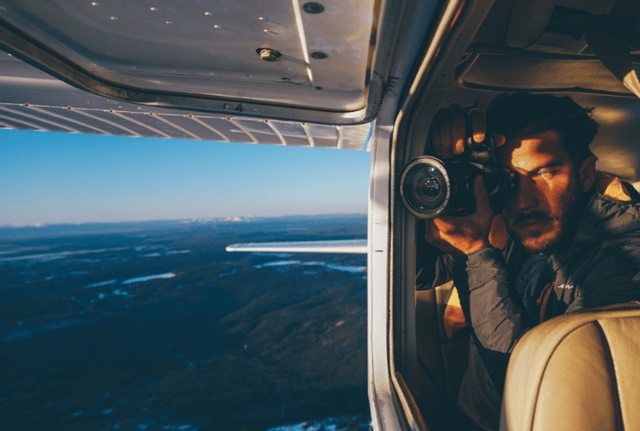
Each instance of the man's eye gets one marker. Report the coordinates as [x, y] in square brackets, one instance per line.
[544, 173]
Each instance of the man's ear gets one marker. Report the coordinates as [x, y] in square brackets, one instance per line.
[587, 173]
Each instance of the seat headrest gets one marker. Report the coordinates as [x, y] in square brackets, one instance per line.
[576, 371]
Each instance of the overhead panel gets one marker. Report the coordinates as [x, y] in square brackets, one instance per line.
[241, 56]
[58, 107]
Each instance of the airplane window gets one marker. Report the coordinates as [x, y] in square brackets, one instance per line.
[121, 309]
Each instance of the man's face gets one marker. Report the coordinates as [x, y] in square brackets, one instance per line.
[540, 209]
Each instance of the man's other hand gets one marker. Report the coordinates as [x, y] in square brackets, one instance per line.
[448, 131]
[463, 235]
[447, 138]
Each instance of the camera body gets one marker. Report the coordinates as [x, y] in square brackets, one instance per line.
[431, 186]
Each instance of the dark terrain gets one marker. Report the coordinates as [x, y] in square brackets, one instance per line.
[155, 327]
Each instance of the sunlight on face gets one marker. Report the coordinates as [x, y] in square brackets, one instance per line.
[539, 212]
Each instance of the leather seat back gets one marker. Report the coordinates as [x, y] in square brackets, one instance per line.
[578, 371]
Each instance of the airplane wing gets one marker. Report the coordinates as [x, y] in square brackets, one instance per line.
[352, 246]
[300, 70]
[31, 99]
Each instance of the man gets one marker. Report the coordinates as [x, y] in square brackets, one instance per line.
[573, 234]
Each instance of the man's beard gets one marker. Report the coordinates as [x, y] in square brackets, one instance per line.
[560, 228]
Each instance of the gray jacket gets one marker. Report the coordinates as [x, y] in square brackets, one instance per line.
[601, 266]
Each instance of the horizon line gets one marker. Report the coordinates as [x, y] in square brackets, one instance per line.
[233, 219]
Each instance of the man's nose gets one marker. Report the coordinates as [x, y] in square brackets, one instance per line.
[526, 194]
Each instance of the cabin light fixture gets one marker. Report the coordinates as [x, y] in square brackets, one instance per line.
[313, 7]
[268, 54]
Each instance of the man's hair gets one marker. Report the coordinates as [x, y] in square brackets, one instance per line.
[521, 114]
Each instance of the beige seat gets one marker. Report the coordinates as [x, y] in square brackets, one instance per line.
[579, 371]
[442, 361]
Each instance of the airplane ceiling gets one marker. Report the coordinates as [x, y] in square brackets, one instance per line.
[242, 57]
[59, 107]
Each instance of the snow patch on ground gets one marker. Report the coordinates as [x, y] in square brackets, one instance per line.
[149, 278]
[341, 423]
[101, 284]
[46, 257]
[331, 266]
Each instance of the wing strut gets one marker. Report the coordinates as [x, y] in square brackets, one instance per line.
[352, 246]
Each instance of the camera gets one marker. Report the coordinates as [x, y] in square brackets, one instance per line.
[431, 186]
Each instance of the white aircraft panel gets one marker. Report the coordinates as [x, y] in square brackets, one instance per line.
[56, 106]
[288, 52]
[355, 246]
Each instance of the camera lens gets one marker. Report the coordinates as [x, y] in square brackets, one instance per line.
[425, 188]
[431, 187]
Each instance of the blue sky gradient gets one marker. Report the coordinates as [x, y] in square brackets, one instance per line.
[50, 177]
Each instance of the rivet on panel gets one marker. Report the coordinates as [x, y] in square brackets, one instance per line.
[268, 54]
[313, 7]
[95, 3]
[207, 13]
[154, 9]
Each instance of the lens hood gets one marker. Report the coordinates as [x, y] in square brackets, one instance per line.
[425, 187]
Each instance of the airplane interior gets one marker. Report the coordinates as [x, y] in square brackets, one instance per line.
[538, 47]
[395, 64]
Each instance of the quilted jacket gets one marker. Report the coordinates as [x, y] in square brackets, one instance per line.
[600, 266]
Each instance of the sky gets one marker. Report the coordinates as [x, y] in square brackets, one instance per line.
[48, 178]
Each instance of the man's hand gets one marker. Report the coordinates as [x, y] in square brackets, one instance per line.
[449, 130]
[447, 137]
[463, 235]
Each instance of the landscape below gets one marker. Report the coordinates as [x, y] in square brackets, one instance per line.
[153, 326]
